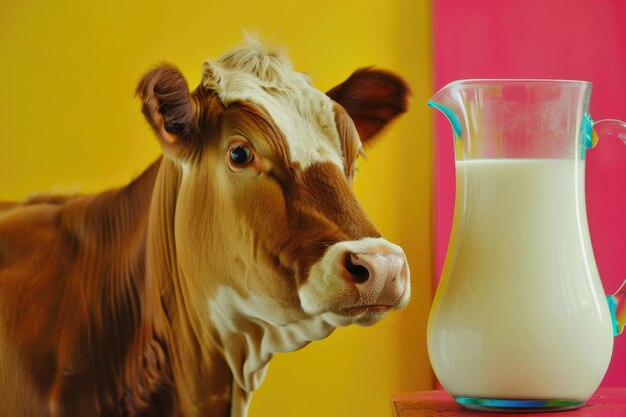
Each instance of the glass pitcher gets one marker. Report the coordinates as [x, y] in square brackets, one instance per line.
[520, 321]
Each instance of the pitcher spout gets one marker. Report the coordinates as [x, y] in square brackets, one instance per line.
[445, 102]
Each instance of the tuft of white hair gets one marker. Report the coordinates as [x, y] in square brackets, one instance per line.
[253, 62]
[269, 64]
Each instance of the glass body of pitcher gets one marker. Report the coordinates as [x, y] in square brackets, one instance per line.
[520, 320]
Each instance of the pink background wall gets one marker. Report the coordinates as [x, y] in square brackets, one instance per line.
[564, 39]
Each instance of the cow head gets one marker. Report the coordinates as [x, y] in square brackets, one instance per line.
[268, 229]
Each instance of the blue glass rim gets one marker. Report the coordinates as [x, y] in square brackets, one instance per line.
[517, 404]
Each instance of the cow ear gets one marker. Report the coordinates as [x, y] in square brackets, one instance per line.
[169, 109]
[372, 98]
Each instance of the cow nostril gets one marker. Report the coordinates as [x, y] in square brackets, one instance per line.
[358, 272]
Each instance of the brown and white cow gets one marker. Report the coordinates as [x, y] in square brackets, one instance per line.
[168, 297]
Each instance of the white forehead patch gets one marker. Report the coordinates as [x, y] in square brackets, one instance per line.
[304, 114]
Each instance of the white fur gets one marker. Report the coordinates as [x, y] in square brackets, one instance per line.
[304, 114]
[252, 329]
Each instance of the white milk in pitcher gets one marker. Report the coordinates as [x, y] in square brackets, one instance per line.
[520, 312]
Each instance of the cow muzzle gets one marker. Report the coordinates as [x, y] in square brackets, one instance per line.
[357, 282]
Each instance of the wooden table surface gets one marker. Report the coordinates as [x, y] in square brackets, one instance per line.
[606, 402]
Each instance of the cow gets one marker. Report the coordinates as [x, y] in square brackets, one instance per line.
[169, 296]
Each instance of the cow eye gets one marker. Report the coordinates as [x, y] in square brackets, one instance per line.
[241, 155]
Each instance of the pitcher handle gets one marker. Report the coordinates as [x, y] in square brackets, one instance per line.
[617, 305]
[618, 312]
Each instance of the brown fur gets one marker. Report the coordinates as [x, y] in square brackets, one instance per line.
[372, 98]
[103, 298]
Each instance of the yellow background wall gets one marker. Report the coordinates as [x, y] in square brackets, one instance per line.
[69, 122]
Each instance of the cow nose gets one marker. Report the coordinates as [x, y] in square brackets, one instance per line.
[379, 277]
[358, 268]
[365, 275]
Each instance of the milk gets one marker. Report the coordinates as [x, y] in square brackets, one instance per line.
[520, 312]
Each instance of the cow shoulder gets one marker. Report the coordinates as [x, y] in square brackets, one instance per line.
[29, 235]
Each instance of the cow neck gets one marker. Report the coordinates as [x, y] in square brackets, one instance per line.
[109, 230]
[201, 375]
